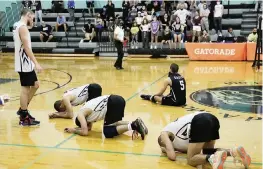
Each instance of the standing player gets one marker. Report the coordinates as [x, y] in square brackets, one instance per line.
[109, 108]
[75, 97]
[25, 62]
[177, 96]
[196, 133]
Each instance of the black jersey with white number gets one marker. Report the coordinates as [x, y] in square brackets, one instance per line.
[178, 88]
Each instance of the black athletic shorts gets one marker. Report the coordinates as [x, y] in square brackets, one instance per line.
[169, 100]
[28, 78]
[204, 128]
[115, 109]
[94, 91]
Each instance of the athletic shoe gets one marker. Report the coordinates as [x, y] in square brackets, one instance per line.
[29, 115]
[28, 122]
[145, 97]
[218, 159]
[139, 128]
[239, 154]
[144, 126]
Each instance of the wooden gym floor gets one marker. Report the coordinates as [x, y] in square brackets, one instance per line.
[47, 146]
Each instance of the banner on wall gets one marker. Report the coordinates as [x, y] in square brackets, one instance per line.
[216, 51]
[251, 49]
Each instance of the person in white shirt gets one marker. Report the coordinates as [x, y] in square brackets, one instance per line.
[182, 13]
[110, 109]
[204, 13]
[196, 135]
[218, 14]
[25, 63]
[74, 97]
[119, 39]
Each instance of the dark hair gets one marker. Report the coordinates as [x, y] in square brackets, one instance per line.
[174, 68]
[57, 105]
[25, 11]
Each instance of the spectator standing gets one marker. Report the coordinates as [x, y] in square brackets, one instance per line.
[57, 6]
[134, 33]
[125, 9]
[99, 24]
[218, 14]
[258, 5]
[166, 39]
[90, 6]
[252, 37]
[110, 9]
[165, 20]
[177, 32]
[196, 27]
[38, 12]
[46, 32]
[133, 13]
[204, 15]
[71, 9]
[145, 33]
[27, 4]
[111, 27]
[61, 24]
[89, 31]
[155, 25]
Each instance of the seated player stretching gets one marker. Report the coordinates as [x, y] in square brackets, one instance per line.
[109, 108]
[177, 96]
[196, 134]
[75, 97]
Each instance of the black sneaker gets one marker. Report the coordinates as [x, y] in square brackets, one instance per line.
[146, 97]
[29, 115]
[139, 128]
[28, 122]
[144, 126]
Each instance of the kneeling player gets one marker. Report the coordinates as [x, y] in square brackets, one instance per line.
[177, 96]
[109, 108]
[196, 133]
[75, 97]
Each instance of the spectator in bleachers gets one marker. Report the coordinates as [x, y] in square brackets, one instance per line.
[71, 9]
[204, 13]
[89, 31]
[139, 19]
[133, 2]
[46, 32]
[61, 24]
[213, 36]
[252, 37]
[125, 9]
[145, 27]
[57, 6]
[196, 27]
[230, 33]
[205, 37]
[165, 20]
[99, 25]
[111, 27]
[166, 38]
[90, 6]
[201, 5]
[110, 9]
[218, 14]
[38, 12]
[177, 31]
[181, 5]
[27, 3]
[156, 8]
[134, 33]
[133, 13]
[258, 5]
[155, 26]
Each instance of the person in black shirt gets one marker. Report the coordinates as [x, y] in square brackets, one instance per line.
[89, 31]
[177, 95]
[46, 32]
[27, 3]
[110, 12]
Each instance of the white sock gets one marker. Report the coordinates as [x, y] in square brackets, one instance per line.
[129, 127]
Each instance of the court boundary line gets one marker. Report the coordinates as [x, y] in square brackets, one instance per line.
[30, 163]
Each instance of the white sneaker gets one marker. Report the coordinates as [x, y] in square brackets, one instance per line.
[155, 47]
[151, 46]
[239, 154]
[2, 101]
[218, 159]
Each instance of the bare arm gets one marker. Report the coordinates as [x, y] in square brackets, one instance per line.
[168, 149]
[165, 84]
[24, 34]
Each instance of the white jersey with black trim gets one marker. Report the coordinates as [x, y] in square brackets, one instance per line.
[181, 130]
[22, 62]
[81, 94]
[98, 107]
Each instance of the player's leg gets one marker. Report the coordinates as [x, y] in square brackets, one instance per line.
[32, 91]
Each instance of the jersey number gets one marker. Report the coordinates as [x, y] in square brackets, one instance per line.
[183, 132]
[101, 105]
[182, 84]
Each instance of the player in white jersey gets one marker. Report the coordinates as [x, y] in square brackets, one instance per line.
[75, 97]
[109, 108]
[196, 134]
[25, 63]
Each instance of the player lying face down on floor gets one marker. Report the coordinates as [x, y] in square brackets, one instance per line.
[74, 97]
[177, 95]
[196, 134]
[109, 108]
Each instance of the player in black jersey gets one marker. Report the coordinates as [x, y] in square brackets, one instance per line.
[177, 95]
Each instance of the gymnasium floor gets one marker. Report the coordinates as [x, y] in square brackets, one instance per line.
[48, 147]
